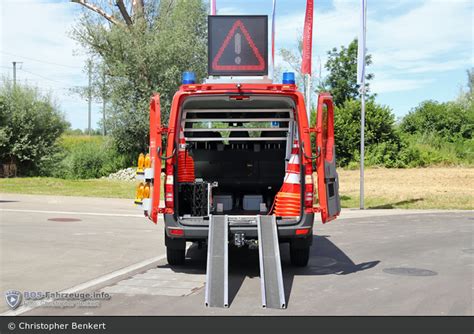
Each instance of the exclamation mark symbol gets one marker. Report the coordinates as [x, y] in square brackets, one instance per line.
[238, 47]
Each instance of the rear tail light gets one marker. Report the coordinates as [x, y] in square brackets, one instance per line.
[308, 187]
[302, 231]
[176, 231]
[169, 187]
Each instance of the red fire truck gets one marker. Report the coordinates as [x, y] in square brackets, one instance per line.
[239, 162]
[240, 157]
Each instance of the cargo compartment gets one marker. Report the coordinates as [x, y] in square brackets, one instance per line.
[240, 148]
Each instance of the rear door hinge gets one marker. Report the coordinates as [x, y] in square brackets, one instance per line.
[313, 210]
[312, 130]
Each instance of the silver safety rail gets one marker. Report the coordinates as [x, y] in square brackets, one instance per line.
[288, 118]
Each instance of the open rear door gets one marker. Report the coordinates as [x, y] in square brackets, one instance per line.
[328, 180]
[155, 154]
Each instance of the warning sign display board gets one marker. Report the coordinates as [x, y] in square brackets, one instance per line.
[238, 45]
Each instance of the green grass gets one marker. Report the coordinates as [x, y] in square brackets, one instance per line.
[61, 187]
[411, 188]
[72, 142]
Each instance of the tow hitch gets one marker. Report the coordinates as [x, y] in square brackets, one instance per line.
[240, 241]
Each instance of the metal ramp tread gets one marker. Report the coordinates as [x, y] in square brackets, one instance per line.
[217, 262]
[271, 278]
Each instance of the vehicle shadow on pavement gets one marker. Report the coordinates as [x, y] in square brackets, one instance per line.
[397, 204]
[325, 259]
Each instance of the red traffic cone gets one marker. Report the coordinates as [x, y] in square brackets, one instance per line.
[288, 199]
[185, 161]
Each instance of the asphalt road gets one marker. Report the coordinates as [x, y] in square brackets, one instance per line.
[373, 262]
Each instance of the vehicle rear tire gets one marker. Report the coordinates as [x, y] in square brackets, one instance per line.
[175, 256]
[175, 250]
[299, 256]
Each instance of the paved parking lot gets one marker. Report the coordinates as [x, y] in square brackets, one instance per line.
[375, 262]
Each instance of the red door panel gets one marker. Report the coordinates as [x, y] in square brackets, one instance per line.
[155, 153]
[328, 180]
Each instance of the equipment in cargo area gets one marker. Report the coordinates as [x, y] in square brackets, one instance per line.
[223, 203]
[252, 202]
[194, 198]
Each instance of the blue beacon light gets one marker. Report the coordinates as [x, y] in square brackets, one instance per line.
[289, 78]
[188, 78]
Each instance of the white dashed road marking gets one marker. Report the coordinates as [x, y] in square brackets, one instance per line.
[75, 213]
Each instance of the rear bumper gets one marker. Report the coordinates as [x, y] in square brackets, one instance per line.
[286, 231]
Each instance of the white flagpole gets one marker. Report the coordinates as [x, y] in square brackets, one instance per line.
[361, 81]
[362, 145]
[273, 38]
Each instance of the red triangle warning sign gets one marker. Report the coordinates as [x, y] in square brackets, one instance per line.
[239, 64]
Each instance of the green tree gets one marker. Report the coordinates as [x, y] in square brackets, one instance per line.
[441, 133]
[451, 120]
[30, 124]
[342, 78]
[381, 138]
[143, 51]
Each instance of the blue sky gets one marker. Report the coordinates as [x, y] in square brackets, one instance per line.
[421, 49]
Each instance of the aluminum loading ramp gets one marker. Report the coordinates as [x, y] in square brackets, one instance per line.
[271, 277]
[217, 272]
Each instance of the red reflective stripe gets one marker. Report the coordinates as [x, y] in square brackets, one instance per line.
[293, 168]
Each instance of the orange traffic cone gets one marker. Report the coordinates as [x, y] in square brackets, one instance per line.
[288, 199]
[185, 162]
